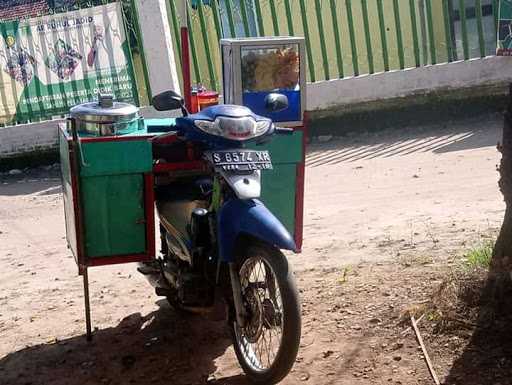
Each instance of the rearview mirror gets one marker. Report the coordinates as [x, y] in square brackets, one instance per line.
[276, 102]
[168, 100]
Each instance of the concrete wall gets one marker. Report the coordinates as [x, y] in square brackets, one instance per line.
[27, 138]
[41, 137]
[158, 45]
[464, 74]
[330, 97]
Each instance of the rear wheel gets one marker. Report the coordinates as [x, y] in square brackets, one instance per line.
[267, 345]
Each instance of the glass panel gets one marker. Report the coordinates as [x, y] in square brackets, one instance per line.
[270, 68]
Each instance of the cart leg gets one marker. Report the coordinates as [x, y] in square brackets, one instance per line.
[87, 305]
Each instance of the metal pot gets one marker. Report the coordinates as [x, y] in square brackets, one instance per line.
[106, 117]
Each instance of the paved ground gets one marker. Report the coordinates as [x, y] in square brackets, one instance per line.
[375, 197]
[417, 195]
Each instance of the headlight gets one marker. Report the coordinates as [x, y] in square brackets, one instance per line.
[234, 128]
[208, 127]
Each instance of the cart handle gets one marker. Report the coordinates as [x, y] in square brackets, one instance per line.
[76, 138]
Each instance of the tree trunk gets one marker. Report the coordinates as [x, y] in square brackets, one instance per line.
[501, 263]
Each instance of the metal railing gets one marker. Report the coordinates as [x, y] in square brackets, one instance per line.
[343, 37]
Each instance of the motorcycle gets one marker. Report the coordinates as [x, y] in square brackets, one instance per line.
[220, 245]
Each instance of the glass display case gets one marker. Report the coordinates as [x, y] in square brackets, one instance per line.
[255, 67]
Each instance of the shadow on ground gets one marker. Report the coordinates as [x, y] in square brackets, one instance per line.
[30, 186]
[40, 181]
[160, 348]
[461, 136]
[487, 358]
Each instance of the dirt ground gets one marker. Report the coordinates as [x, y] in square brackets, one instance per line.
[387, 216]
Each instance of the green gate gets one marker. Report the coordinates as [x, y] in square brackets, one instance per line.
[344, 37]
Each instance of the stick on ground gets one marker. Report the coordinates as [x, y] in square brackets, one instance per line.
[424, 349]
[410, 328]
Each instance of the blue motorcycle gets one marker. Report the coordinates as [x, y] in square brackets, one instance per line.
[221, 247]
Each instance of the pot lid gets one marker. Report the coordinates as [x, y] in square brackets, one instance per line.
[105, 110]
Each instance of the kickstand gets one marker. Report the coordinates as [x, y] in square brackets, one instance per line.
[87, 306]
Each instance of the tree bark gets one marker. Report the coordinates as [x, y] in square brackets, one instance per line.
[501, 260]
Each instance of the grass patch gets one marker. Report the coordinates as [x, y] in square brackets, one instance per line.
[344, 275]
[480, 256]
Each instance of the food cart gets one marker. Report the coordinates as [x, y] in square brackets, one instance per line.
[109, 164]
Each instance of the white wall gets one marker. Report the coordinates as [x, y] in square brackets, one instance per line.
[27, 138]
[387, 85]
[321, 95]
[158, 45]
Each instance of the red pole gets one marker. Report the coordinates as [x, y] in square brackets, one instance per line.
[185, 65]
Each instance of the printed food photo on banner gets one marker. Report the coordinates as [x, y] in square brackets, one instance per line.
[63, 60]
[19, 63]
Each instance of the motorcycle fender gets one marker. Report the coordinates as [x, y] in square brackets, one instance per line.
[249, 217]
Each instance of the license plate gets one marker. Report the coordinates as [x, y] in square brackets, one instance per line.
[242, 160]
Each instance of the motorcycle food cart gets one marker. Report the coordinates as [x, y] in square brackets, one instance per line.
[109, 163]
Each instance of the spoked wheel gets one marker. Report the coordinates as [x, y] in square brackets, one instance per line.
[267, 345]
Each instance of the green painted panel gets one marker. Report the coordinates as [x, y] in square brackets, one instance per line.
[278, 193]
[279, 184]
[113, 211]
[115, 158]
[284, 148]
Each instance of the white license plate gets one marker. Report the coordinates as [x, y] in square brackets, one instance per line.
[243, 160]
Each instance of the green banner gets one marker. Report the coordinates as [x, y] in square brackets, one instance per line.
[505, 29]
[52, 63]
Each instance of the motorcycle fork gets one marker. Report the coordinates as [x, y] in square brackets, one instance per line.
[240, 311]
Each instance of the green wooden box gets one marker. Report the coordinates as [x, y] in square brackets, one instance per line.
[106, 185]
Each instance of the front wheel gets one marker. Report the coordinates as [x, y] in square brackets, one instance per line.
[268, 344]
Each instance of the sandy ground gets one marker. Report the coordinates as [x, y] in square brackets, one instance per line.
[377, 197]
[385, 214]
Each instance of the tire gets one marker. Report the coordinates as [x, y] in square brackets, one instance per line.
[288, 320]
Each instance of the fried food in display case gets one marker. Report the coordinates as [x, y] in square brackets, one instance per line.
[265, 69]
